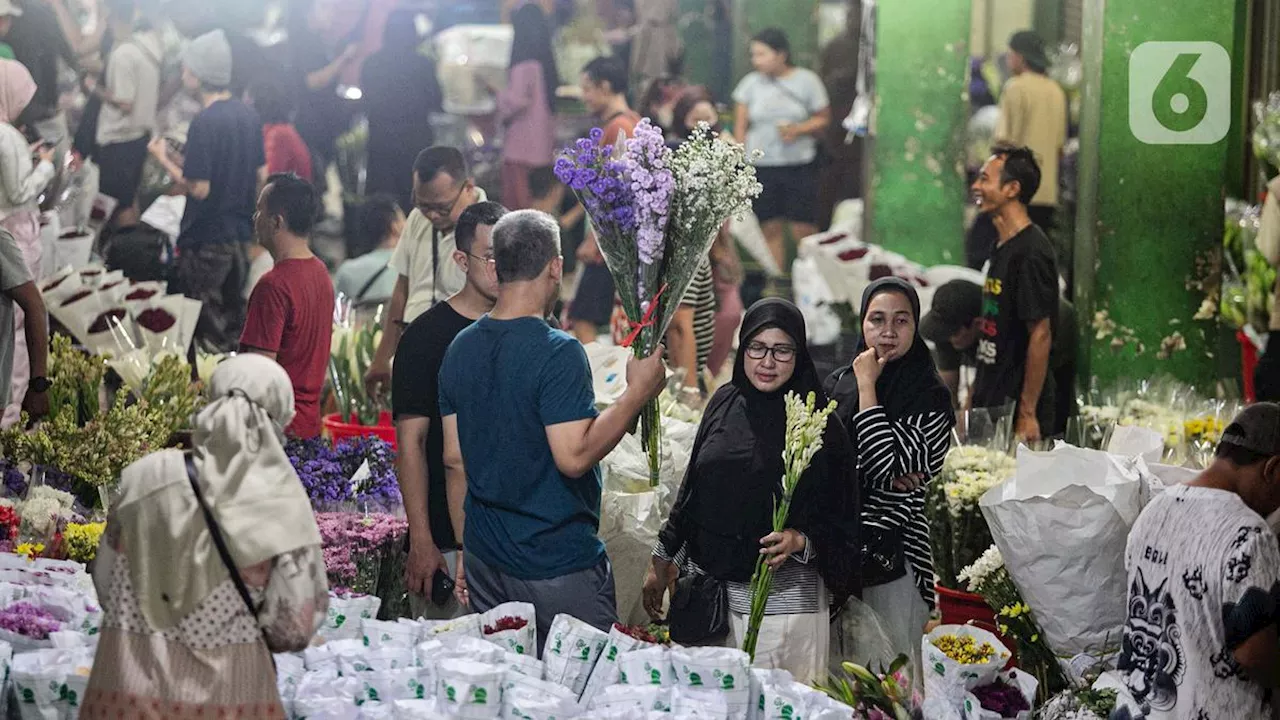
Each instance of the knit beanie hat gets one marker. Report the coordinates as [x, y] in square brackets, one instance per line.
[208, 57]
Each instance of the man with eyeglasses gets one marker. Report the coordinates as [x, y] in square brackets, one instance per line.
[523, 441]
[415, 402]
[442, 189]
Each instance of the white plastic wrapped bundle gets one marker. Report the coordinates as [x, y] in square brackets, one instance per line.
[948, 681]
[522, 640]
[50, 684]
[605, 673]
[526, 698]
[619, 699]
[465, 626]
[647, 666]
[345, 614]
[571, 652]
[381, 634]
[709, 677]
[331, 699]
[470, 690]
[403, 684]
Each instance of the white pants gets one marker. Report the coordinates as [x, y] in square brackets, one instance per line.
[904, 614]
[798, 644]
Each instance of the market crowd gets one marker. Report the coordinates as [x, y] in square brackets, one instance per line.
[500, 437]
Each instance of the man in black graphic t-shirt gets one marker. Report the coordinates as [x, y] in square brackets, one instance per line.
[415, 402]
[1019, 299]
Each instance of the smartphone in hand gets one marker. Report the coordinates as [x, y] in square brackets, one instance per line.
[441, 588]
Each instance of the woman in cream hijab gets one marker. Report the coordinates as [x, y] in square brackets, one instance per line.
[178, 638]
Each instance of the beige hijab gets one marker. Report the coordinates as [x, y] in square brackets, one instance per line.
[245, 477]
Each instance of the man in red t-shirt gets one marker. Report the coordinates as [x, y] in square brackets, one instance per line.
[290, 317]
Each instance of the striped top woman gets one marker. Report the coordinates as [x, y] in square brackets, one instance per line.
[899, 417]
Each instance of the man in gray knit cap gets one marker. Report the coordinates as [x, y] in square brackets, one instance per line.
[222, 170]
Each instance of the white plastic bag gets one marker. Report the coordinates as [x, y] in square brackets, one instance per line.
[345, 614]
[50, 684]
[605, 673]
[391, 685]
[571, 652]
[617, 699]
[648, 666]
[745, 228]
[711, 667]
[470, 690]
[381, 634]
[1026, 684]
[465, 626]
[814, 298]
[521, 641]
[687, 702]
[1061, 524]
[526, 698]
[947, 681]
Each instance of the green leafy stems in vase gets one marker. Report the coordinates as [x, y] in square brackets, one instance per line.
[805, 427]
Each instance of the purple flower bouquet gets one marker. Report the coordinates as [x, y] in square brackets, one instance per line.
[356, 548]
[656, 212]
[29, 621]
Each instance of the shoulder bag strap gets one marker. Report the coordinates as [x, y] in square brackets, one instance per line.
[218, 541]
[369, 284]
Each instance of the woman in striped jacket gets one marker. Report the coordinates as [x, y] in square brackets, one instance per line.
[899, 418]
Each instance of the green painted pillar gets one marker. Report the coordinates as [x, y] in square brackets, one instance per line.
[916, 194]
[1157, 116]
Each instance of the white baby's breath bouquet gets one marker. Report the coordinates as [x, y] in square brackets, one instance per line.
[806, 425]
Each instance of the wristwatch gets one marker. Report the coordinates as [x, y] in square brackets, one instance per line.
[39, 385]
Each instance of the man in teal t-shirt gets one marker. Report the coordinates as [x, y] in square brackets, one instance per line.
[523, 439]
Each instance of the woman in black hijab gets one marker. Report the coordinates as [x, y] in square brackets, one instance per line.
[899, 417]
[400, 93]
[723, 515]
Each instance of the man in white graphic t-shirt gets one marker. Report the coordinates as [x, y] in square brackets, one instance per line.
[1204, 577]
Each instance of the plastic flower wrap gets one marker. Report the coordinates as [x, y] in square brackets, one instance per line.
[1015, 621]
[1266, 136]
[958, 531]
[655, 212]
[351, 353]
[363, 553]
[806, 424]
[29, 620]
[1248, 281]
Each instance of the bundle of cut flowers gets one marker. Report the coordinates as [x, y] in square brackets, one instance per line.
[506, 623]
[965, 650]
[883, 695]
[355, 545]
[332, 475]
[80, 540]
[1016, 621]
[1002, 698]
[28, 620]
[653, 633]
[351, 353]
[958, 531]
[655, 212]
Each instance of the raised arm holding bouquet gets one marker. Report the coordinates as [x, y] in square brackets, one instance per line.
[656, 212]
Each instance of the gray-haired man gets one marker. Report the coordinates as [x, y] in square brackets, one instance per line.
[517, 404]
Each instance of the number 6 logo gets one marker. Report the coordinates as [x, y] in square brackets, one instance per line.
[1179, 93]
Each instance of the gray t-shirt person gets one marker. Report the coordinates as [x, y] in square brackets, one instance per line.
[13, 273]
[784, 100]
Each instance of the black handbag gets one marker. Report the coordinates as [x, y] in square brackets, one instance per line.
[699, 612]
[883, 559]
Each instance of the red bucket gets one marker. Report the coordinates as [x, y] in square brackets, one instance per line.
[1249, 361]
[339, 431]
[962, 608]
